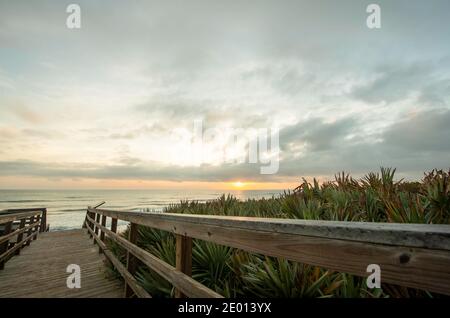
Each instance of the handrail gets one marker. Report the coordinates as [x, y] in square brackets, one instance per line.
[44, 225]
[411, 255]
[26, 221]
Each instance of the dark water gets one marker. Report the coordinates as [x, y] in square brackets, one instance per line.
[67, 208]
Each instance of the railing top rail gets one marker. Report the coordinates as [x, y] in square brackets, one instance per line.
[11, 217]
[412, 235]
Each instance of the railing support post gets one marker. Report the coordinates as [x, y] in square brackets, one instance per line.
[183, 258]
[4, 246]
[89, 224]
[97, 220]
[102, 234]
[30, 231]
[131, 260]
[20, 236]
[36, 229]
[44, 220]
[114, 225]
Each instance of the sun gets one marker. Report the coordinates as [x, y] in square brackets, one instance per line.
[238, 184]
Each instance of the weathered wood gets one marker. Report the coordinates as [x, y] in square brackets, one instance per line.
[20, 232]
[37, 227]
[41, 270]
[114, 225]
[90, 224]
[181, 281]
[127, 276]
[5, 218]
[425, 266]
[102, 233]
[434, 236]
[183, 258]
[131, 282]
[43, 227]
[9, 252]
[5, 244]
[30, 232]
[97, 219]
[131, 260]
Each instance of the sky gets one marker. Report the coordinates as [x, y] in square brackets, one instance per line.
[115, 103]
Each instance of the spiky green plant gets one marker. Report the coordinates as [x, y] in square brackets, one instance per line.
[376, 197]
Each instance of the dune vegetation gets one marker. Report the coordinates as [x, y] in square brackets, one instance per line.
[376, 197]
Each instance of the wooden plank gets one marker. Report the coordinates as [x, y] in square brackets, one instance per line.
[102, 233]
[435, 236]
[97, 219]
[16, 216]
[422, 268]
[114, 225]
[4, 245]
[43, 227]
[183, 258]
[30, 232]
[37, 227]
[131, 260]
[41, 269]
[181, 281]
[133, 284]
[9, 252]
[127, 276]
[20, 231]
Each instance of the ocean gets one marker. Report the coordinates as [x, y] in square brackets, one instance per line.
[66, 209]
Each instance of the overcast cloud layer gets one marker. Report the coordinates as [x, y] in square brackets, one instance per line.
[113, 99]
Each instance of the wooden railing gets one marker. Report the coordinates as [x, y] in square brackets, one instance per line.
[18, 228]
[411, 255]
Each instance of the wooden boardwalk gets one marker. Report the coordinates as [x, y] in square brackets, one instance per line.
[410, 255]
[40, 269]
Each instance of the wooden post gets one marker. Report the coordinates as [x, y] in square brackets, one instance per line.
[97, 219]
[20, 236]
[114, 225]
[90, 224]
[5, 245]
[131, 260]
[44, 220]
[102, 234]
[30, 231]
[183, 258]
[36, 229]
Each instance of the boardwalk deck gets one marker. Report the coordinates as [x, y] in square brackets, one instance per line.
[40, 269]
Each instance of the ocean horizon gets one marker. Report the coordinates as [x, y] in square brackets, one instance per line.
[66, 209]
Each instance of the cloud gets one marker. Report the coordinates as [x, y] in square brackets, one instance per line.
[344, 96]
[316, 133]
[420, 132]
[419, 143]
[393, 83]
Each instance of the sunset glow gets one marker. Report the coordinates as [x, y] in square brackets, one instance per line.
[239, 184]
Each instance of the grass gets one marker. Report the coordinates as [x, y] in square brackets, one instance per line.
[377, 197]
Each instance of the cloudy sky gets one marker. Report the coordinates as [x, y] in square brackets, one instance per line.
[114, 104]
